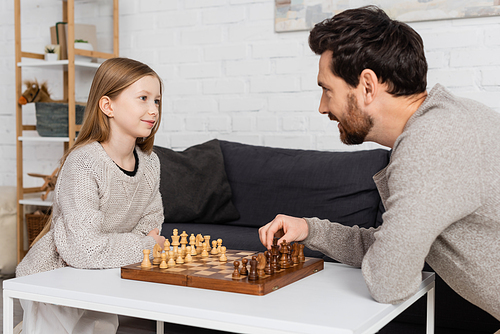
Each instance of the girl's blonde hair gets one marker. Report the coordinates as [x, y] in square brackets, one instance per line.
[112, 77]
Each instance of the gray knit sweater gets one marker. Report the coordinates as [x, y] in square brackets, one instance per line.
[100, 215]
[441, 191]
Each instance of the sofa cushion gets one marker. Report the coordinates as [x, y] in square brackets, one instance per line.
[329, 185]
[194, 185]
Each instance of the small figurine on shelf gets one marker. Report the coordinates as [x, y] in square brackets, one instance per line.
[35, 92]
[49, 184]
[51, 53]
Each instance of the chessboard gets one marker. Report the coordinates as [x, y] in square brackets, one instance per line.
[209, 273]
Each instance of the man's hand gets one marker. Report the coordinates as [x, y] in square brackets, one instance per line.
[294, 229]
[155, 233]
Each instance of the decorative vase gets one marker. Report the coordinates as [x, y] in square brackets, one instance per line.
[83, 46]
[51, 56]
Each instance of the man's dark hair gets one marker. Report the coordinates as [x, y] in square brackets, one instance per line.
[366, 38]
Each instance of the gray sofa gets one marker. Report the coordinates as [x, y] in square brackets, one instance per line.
[228, 190]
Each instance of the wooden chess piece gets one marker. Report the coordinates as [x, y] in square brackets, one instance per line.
[207, 240]
[289, 255]
[214, 248]
[204, 252]
[179, 260]
[284, 258]
[188, 258]
[192, 243]
[171, 260]
[236, 272]
[252, 274]
[145, 261]
[183, 250]
[184, 236]
[156, 254]
[166, 245]
[244, 270]
[223, 257]
[261, 264]
[268, 270]
[295, 254]
[219, 244]
[163, 264]
[175, 238]
[302, 258]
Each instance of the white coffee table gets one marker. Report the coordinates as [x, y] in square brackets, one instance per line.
[335, 300]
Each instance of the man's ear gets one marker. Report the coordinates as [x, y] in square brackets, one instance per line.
[369, 84]
[105, 106]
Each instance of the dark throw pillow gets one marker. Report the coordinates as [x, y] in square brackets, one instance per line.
[194, 185]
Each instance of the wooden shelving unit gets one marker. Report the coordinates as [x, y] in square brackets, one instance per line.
[68, 69]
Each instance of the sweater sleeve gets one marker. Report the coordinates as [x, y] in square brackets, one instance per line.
[79, 227]
[343, 243]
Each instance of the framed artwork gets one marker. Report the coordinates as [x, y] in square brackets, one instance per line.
[292, 15]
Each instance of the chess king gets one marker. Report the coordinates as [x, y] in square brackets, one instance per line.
[441, 189]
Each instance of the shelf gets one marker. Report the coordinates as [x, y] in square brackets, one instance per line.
[35, 201]
[41, 139]
[56, 64]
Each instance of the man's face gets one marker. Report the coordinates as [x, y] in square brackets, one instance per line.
[339, 102]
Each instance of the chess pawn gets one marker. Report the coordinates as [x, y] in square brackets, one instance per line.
[284, 258]
[175, 238]
[214, 248]
[163, 264]
[302, 258]
[145, 261]
[188, 258]
[204, 252]
[244, 270]
[207, 240]
[171, 261]
[252, 274]
[219, 245]
[236, 272]
[166, 245]
[179, 260]
[223, 257]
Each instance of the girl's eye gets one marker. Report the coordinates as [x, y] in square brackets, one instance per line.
[157, 102]
[144, 98]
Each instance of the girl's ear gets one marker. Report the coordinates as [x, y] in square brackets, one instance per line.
[105, 106]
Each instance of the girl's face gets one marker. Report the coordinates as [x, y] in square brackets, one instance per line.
[135, 109]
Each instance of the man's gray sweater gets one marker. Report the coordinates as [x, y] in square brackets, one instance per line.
[441, 191]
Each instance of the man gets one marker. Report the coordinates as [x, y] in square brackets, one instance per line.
[441, 189]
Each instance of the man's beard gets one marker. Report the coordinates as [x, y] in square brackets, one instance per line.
[356, 125]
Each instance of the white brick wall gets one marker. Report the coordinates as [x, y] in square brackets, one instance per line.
[226, 73]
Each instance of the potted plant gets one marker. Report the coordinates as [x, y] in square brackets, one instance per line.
[83, 45]
[50, 53]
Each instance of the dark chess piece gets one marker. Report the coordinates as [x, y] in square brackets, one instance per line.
[295, 254]
[236, 272]
[252, 274]
[302, 258]
[269, 268]
[284, 255]
[244, 270]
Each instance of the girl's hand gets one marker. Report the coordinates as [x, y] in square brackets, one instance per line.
[292, 229]
[155, 233]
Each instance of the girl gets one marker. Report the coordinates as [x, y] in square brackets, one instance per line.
[107, 205]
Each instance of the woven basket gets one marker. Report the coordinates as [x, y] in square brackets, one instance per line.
[52, 118]
[35, 223]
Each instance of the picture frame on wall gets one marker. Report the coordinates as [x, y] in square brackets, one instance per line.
[293, 15]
